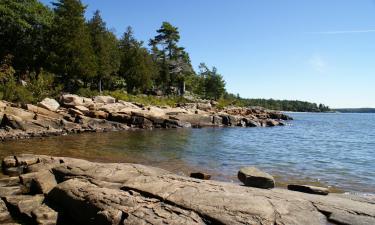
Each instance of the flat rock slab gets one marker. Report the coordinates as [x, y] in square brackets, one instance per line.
[253, 177]
[90, 204]
[308, 189]
[123, 193]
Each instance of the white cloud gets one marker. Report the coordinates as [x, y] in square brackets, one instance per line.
[318, 63]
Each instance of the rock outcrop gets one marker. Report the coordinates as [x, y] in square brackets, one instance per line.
[103, 113]
[83, 192]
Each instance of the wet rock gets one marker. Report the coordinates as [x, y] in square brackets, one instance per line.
[252, 123]
[253, 177]
[141, 122]
[200, 175]
[271, 123]
[308, 189]
[171, 123]
[104, 99]
[50, 104]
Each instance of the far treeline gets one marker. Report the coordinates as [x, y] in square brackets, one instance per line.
[45, 51]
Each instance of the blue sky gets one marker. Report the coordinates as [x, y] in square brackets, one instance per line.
[318, 50]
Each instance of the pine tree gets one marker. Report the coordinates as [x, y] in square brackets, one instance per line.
[173, 60]
[104, 44]
[137, 66]
[73, 56]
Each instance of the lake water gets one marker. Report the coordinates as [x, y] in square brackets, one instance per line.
[335, 150]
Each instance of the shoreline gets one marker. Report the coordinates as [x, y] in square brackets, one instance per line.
[75, 114]
[64, 186]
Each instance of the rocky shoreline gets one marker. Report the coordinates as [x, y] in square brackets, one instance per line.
[61, 190]
[75, 114]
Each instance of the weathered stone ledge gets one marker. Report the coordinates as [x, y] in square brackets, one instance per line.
[75, 114]
[60, 190]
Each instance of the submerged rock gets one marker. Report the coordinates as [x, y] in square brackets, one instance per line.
[253, 177]
[200, 175]
[308, 189]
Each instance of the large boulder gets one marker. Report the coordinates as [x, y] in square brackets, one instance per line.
[104, 99]
[50, 104]
[253, 177]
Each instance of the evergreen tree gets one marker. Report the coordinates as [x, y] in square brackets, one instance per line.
[174, 62]
[73, 56]
[104, 44]
[212, 84]
[137, 66]
[23, 33]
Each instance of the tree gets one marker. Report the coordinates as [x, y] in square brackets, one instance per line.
[137, 66]
[212, 84]
[73, 56]
[23, 33]
[173, 61]
[104, 44]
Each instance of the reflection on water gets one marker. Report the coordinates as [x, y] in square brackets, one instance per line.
[332, 149]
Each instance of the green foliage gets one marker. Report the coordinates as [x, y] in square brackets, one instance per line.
[104, 44]
[148, 99]
[39, 86]
[281, 105]
[9, 90]
[87, 92]
[42, 86]
[23, 32]
[73, 54]
[137, 66]
[174, 63]
[211, 85]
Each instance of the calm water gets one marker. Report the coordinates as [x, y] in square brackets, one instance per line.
[337, 150]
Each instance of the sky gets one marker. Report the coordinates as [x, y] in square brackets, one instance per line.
[321, 51]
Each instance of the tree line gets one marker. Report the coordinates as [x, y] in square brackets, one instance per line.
[81, 55]
[45, 51]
